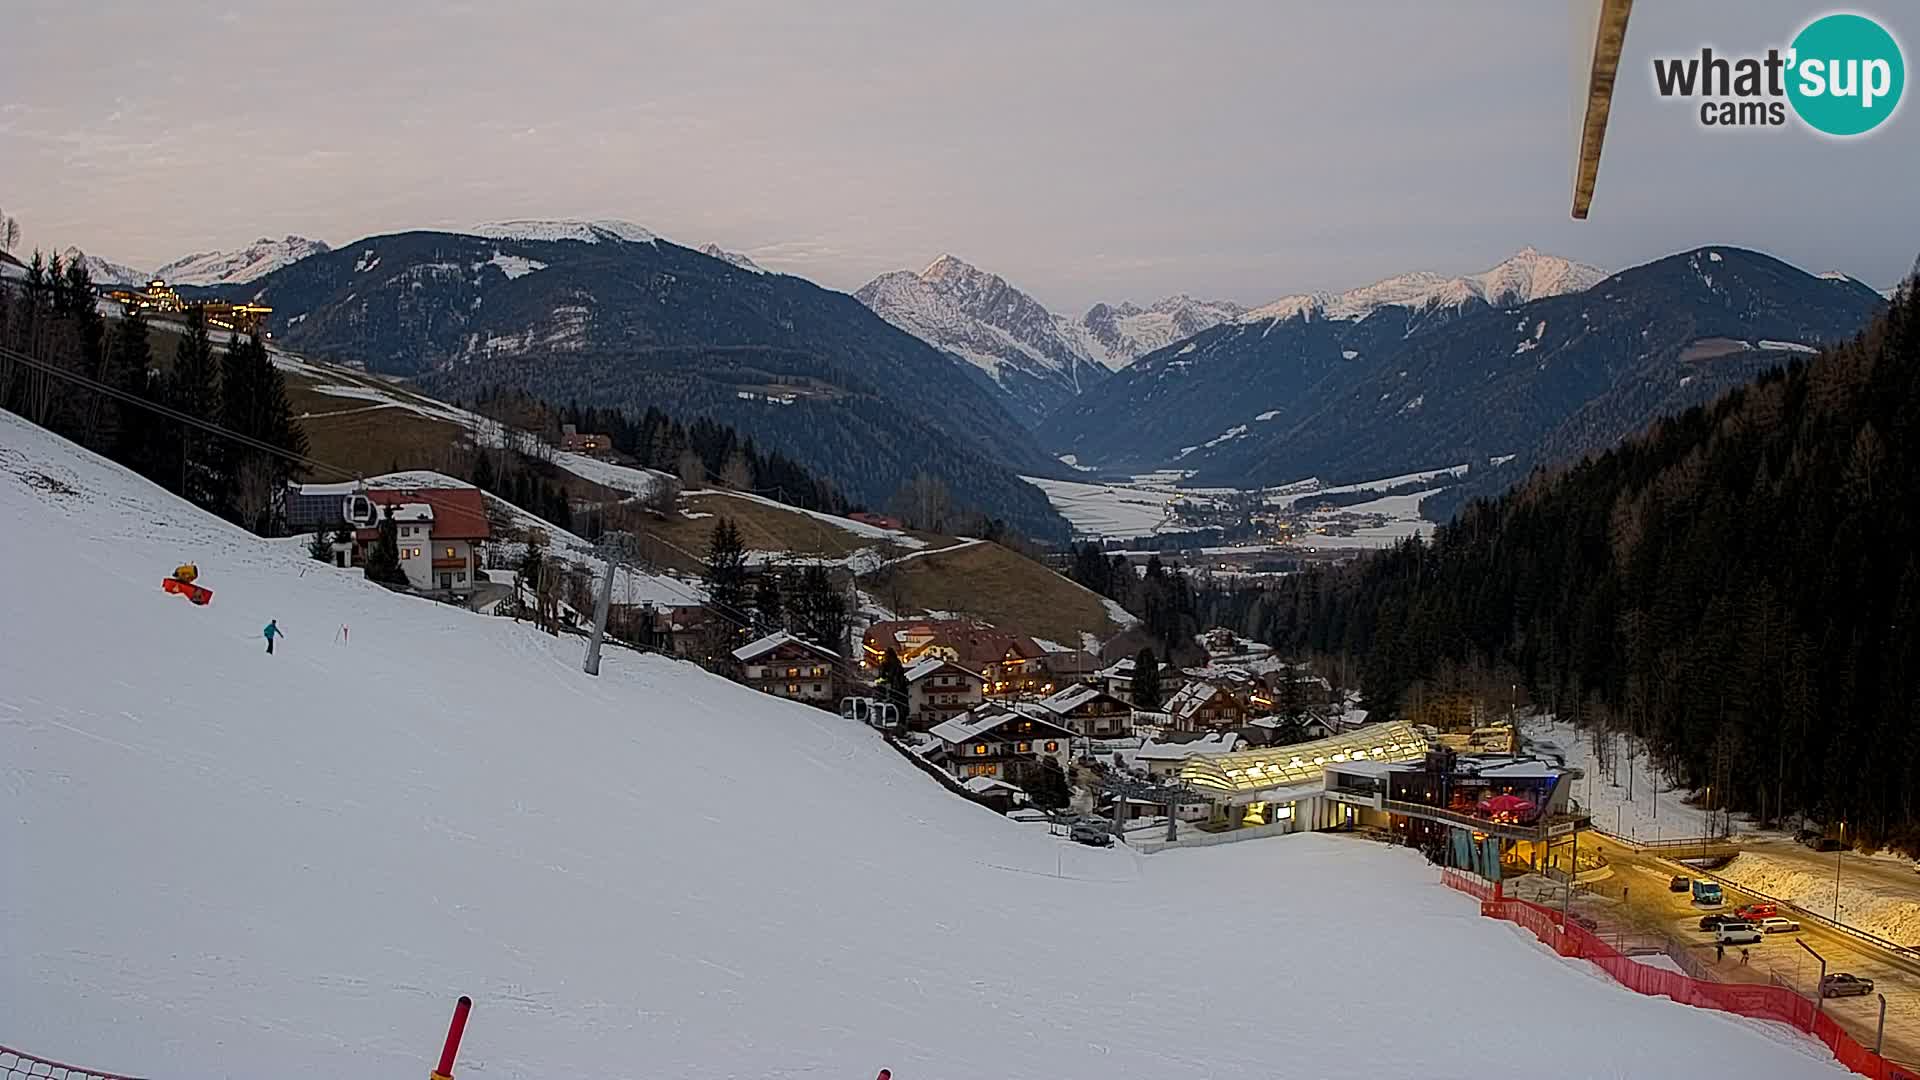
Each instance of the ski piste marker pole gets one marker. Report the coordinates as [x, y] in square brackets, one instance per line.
[454, 1030]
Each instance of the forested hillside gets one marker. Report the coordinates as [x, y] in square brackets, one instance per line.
[1740, 585]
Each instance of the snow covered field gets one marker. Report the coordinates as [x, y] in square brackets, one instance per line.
[220, 863]
[1145, 507]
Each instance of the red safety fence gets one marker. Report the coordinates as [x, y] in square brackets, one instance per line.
[15, 1065]
[1762, 1002]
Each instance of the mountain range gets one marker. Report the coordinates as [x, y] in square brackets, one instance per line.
[607, 313]
[238, 266]
[957, 372]
[1039, 358]
[1536, 360]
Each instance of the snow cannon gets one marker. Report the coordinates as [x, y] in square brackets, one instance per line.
[182, 583]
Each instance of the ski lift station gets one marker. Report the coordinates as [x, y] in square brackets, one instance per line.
[1389, 777]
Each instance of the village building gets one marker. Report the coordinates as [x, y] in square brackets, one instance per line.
[938, 690]
[1012, 665]
[1088, 711]
[1161, 759]
[574, 441]
[1206, 706]
[997, 742]
[437, 530]
[786, 666]
[1117, 678]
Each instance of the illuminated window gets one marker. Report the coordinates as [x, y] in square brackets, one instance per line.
[793, 672]
[450, 553]
[818, 672]
[1052, 746]
[1026, 747]
[979, 749]
[792, 689]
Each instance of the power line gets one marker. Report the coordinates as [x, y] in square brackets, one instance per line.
[174, 414]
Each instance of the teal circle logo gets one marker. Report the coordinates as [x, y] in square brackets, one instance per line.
[1847, 74]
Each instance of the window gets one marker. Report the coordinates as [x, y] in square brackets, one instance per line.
[793, 673]
[819, 672]
[980, 749]
[792, 689]
[1026, 747]
[450, 554]
[815, 688]
[1052, 746]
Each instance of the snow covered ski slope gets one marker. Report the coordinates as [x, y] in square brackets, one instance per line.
[222, 864]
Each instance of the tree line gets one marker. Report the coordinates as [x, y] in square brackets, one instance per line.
[700, 453]
[51, 316]
[1162, 597]
[1739, 586]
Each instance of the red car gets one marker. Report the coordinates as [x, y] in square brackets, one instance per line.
[1756, 912]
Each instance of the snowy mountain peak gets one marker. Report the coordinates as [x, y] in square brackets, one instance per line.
[103, 272]
[1118, 334]
[1526, 275]
[715, 251]
[1039, 358]
[951, 268]
[256, 260]
[609, 230]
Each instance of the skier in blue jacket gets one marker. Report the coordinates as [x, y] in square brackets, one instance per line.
[270, 631]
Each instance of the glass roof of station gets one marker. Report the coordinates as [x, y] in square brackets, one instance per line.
[1288, 766]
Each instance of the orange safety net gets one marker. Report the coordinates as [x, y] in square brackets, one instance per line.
[1776, 1003]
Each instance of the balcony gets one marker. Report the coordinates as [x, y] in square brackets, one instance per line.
[1538, 831]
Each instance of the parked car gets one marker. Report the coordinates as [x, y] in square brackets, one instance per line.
[1589, 923]
[1680, 883]
[1707, 892]
[1807, 836]
[1712, 922]
[1821, 843]
[1090, 833]
[1756, 912]
[1735, 932]
[1778, 925]
[1841, 984]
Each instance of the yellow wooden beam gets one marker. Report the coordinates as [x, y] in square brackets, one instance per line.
[1609, 39]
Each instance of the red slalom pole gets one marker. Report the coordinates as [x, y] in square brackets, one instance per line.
[454, 1031]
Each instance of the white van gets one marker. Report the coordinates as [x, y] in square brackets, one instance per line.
[1737, 933]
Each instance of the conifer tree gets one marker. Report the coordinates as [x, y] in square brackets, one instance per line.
[383, 559]
[1147, 692]
[769, 607]
[892, 679]
[821, 611]
[195, 390]
[726, 573]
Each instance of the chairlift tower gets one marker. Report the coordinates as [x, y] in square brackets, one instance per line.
[1125, 788]
[616, 549]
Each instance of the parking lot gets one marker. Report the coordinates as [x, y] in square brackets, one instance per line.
[1635, 901]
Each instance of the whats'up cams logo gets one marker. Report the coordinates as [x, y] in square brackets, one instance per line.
[1842, 76]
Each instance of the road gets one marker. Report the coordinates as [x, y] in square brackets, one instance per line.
[1651, 906]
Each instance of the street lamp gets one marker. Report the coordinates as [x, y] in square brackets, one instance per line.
[1820, 988]
[1837, 857]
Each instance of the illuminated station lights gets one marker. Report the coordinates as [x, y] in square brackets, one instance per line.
[1253, 772]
